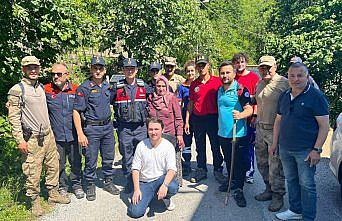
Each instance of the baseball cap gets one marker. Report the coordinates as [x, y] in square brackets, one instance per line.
[97, 60]
[170, 61]
[27, 60]
[155, 65]
[130, 62]
[296, 59]
[202, 59]
[267, 60]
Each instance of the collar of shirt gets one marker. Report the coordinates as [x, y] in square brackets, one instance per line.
[232, 87]
[306, 89]
[209, 80]
[28, 82]
[93, 84]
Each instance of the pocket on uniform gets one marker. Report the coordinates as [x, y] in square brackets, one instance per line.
[94, 98]
[28, 166]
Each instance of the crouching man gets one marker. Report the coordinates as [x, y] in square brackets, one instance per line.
[153, 170]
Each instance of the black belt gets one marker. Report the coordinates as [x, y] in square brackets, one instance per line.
[98, 122]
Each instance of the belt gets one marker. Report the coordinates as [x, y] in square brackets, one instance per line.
[98, 122]
[266, 126]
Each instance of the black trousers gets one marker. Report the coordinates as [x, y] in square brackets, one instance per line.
[202, 125]
[240, 160]
[71, 151]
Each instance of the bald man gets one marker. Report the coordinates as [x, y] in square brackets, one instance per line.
[60, 96]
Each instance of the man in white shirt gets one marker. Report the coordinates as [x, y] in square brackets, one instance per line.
[153, 170]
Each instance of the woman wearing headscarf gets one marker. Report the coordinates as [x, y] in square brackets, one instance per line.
[164, 105]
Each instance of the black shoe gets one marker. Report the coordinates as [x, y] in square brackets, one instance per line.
[79, 193]
[239, 198]
[224, 186]
[219, 177]
[199, 174]
[186, 171]
[91, 192]
[110, 187]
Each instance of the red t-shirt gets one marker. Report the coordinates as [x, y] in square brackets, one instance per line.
[249, 81]
[204, 96]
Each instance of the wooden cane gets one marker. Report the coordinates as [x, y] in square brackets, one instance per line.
[231, 164]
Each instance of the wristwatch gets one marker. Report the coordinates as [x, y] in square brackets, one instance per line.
[318, 149]
[167, 186]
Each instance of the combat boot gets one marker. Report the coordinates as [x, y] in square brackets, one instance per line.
[36, 209]
[110, 187]
[56, 197]
[266, 195]
[277, 202]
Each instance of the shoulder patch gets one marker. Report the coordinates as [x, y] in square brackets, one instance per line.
[246, 94]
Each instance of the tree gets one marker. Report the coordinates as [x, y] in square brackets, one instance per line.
[311, 30]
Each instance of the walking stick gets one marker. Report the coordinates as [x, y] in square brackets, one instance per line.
[231, 164]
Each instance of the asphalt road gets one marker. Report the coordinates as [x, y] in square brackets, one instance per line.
[197, 202]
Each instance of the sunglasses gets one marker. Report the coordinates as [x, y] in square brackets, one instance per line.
[59, 74]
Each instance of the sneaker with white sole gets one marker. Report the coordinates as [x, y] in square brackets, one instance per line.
[289, 215]
[169, 204]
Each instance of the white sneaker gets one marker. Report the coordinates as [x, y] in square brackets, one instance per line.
[289, 215]
[169, 204]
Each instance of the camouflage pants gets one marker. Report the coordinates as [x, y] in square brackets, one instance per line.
[33, 163]
[270, 167]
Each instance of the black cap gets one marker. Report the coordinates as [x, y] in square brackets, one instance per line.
[202, 59]
[97, 60]
[155, 65]
[129, 62]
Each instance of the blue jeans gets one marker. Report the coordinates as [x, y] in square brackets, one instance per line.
[300, 182]
[148, 192]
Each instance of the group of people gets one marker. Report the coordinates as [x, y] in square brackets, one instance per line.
[285, 120]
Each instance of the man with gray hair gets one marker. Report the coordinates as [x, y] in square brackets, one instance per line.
[300, 130]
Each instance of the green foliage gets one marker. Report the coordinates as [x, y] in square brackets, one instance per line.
[311, 30]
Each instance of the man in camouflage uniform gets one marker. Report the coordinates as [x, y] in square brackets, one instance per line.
[174, 79]
[267, 94]
[28, 114]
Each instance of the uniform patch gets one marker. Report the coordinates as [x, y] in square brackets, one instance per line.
[80, 94]
[196, 89]
[246, 94]
[72, 95]
[53, 96]
[122, 94]
[94, 91]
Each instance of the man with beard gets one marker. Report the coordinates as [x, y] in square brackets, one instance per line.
[270, 166]
[249, 80]
[28, 115]
[60, 96]
[233, 108]
[174, 79]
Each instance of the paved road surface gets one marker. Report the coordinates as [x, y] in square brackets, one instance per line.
[197, 202]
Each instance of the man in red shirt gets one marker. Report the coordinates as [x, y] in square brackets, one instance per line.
[249, 80]
[203, 108]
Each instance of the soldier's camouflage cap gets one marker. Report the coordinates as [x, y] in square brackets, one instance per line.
[267, 60]
[130, 62]
[155, 65]
[27, 60]
[97, 60]
[170, 61]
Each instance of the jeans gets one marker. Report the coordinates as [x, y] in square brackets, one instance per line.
[240, 158]
[300, 182]
[251, 140]
[202, 125]
[148, 192]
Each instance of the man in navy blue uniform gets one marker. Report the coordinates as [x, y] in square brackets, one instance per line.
[93, 101]
[131, 112]
[60, 97]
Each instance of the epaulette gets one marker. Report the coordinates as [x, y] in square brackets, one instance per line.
[140, 83]
[120, 84]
